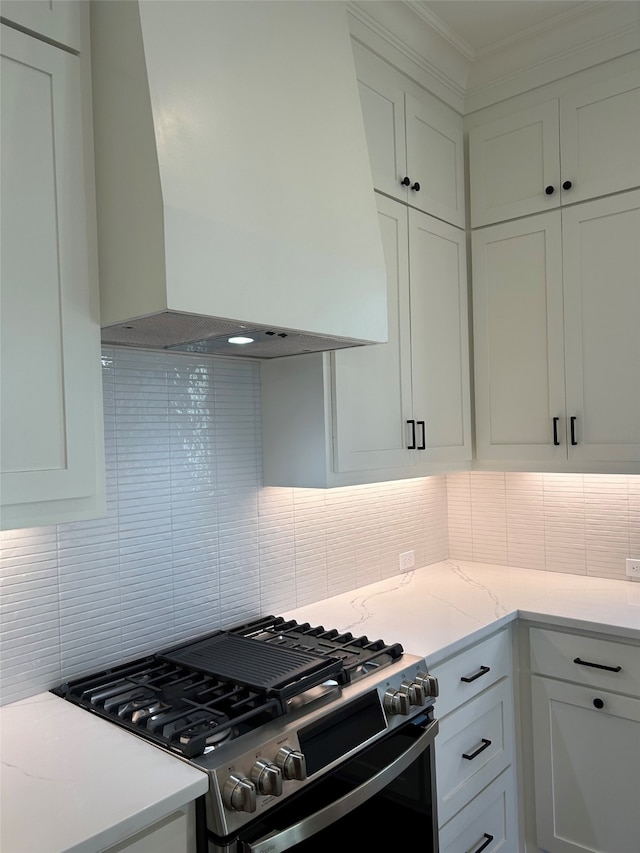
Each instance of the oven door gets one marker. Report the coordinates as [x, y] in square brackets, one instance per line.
[372, 796]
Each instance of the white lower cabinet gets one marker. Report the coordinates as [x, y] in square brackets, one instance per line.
[487, 823]
[173, 834]
[475, 749]
[585, 742]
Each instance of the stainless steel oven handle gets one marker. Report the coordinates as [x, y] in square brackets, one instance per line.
[285, 839]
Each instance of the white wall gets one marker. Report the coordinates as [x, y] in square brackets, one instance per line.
[191, 541]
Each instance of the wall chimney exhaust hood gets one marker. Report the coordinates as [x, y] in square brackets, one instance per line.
[233, 183]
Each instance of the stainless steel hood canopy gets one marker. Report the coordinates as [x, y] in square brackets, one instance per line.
[233, 183]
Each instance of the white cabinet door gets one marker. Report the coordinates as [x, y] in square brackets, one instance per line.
[586, 768]
[51, 437]
[600, 138]
[439, 339]
[435, 159]
[514, 165]
[415, 142]
[601, 250]
[518, 340]
[383, 114]
[372, 385]
[57, 20]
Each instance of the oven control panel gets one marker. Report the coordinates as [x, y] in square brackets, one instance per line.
[258, 770]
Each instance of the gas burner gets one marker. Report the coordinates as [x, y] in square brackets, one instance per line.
[213, 737]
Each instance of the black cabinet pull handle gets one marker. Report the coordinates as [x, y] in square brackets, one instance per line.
[405, 181]
[423, 443]
[567, 185]
[556, 440]
[573, 430]
[469, 678]
[549, 190]
[598, 703]
[412, 446]
[597, 665]
[416, 187]
[471, 755]
[488, 839]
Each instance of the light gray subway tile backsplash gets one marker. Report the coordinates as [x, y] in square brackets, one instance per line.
[192, 541]
[573, 523]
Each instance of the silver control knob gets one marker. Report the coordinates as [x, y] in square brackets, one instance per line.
[239, 794]
[428, 682]
[292, 763]
[267, 778]
[415, 691]
[397, 701]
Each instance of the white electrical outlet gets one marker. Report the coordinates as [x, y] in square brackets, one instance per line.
[407, 561]
[633, 568]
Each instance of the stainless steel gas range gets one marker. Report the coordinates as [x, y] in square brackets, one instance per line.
[308, 735]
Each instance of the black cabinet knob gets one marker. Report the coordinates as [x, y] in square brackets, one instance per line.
[549, 190]
[598, 703]
[566, 185]
[405, 181]
[416, 187]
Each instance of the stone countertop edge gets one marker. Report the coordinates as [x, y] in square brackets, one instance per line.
[82, 784]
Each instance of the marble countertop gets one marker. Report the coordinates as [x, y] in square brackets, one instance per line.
[435, 611]
[109, 784]
[72, 782]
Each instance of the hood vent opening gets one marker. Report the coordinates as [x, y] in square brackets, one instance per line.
[189, 333]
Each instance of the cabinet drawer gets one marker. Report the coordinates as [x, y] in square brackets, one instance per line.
[587, 660]
[473, 746]
[488, 823]
[464, 676]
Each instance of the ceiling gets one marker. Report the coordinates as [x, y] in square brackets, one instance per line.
[482, 25]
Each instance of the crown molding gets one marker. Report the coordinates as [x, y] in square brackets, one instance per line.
[409, 35]
[393, 30]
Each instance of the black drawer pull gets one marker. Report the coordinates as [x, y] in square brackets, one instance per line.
[598, 665]
[423, 443]
[412, 446]
[556, 440]
[572, 420]
[471, 755]
[482, 671]
[487, 840]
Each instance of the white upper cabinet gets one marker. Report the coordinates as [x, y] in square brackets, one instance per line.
[51, 408]
[54, 20]
[389, 411]
[556, 312]
[573, 148]
[415, 142]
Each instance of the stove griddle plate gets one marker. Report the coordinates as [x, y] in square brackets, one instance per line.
[257, 665]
